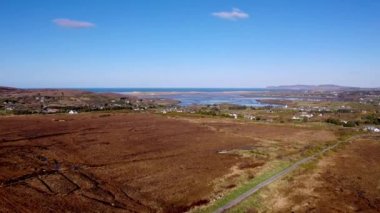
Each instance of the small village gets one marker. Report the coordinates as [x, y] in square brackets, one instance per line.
[363, 116]
[357, 111]
[17, 101]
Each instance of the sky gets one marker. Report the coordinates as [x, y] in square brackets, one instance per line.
[189, 43]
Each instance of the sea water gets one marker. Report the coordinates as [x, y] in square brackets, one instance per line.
[190, 96]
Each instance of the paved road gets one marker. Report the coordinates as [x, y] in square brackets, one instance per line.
[272, 179]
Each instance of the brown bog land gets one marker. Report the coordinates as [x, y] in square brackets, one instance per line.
[124, 162]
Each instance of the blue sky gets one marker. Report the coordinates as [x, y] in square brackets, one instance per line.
[189, 43]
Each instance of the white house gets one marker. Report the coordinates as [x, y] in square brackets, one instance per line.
[251, 117]
[9, 108]
[371, 128]
[296, 118]
[306, 115]
[234, 115]
[73, 112]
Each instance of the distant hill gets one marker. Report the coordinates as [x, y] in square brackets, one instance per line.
[324, 87]
[7, 89]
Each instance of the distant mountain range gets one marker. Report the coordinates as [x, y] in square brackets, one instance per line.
[299, 87]
[323, 87]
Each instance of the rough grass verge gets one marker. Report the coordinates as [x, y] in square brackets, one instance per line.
[244, 188]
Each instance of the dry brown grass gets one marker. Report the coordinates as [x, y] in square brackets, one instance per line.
[343, 181]
[122, 161]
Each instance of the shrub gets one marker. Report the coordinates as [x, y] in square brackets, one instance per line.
[372, 119]
[351, 124]
[237, 107]
[333, 121]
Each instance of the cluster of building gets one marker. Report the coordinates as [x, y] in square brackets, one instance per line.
[173, 109]
[27, 104]
[371, 129]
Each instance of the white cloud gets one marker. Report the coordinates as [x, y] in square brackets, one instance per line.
[69, 23]
[235, 14]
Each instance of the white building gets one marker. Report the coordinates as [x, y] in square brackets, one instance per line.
[296, 118]
[73, 112]
[251, 117]
[234, 115]
[371, 128]
[306, 115]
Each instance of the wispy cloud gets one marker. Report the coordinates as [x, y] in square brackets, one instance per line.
[69, 23]
[235, 14]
